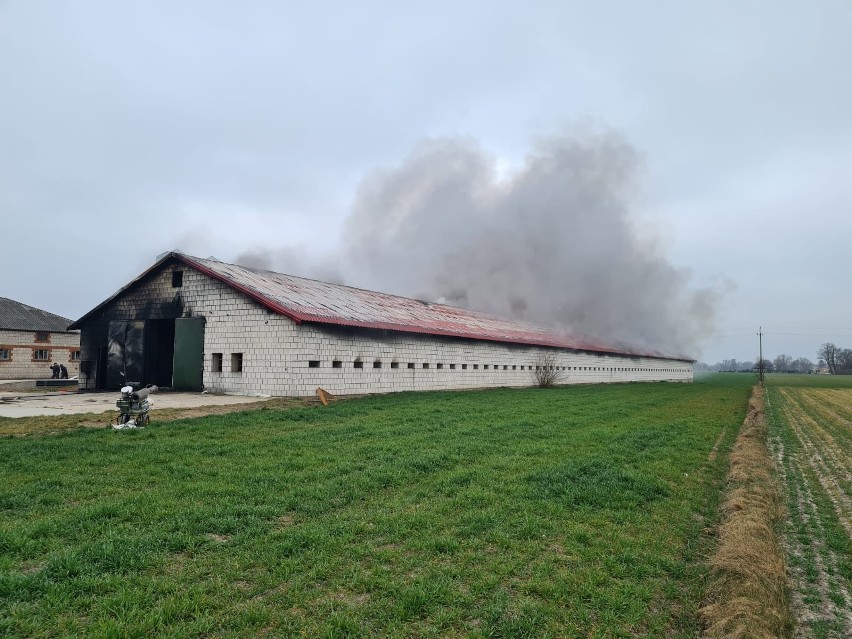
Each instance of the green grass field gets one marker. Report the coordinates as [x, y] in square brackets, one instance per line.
[808, 381]
[579, 511]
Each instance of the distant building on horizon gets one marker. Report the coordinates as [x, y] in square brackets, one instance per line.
[193, 323]
[31, 340]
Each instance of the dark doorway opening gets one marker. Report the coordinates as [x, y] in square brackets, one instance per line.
[159, 351]
[166, 352]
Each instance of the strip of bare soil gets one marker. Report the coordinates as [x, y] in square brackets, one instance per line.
[747, 593]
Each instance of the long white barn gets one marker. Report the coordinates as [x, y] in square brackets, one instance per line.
[192, 323]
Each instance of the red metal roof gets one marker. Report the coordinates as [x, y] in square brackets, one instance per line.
[312, 301]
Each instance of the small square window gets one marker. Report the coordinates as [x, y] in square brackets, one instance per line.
[440, 365]
[485, 366]
[475, 366]
[394, 364]
[410, 364]
[75, 356]
[177, 279]
[41, 355]
[236, 362]
[464, 367]
[337, 364]
[5, 354]
[425, 364]
[514, 367]
[313, 363]
[358, 363]
[505, 367]
[452, 365]
[216, 363]
[377, 364]
[42, 336]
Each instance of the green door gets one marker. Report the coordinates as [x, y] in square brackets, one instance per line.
[189, 354]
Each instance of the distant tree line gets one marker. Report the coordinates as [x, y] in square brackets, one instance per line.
[781, 364]
[838, 361]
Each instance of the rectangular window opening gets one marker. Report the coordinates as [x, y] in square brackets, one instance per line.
[410, 364]
[475, 366]
[42, 336]
[337, 364]
[394, 364]
[358, 363]
[236, 362]
[5, 354]
[377, 364]
[41, 355]
[75, 356]
[177, 279]
[425, 364]
[313, 363]
[216, 362]
[440, 365]
[464, 367]
[452, 365]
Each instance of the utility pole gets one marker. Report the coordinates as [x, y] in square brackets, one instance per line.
[760, 361]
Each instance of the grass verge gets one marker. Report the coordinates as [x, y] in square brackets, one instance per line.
[747, 592]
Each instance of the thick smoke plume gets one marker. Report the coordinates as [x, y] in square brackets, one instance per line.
[553, 242]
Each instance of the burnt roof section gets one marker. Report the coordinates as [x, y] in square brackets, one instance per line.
[312, 301]
[16, 316]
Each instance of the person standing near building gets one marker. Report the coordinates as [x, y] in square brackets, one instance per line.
[63, 372]
[55, 370]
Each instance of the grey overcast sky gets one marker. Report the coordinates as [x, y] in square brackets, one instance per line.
[128, 129]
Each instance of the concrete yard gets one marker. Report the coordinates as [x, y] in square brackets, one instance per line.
[21, 404]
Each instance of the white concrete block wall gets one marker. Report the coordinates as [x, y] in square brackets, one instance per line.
[462, 364]
[21, 345]
[276, 351]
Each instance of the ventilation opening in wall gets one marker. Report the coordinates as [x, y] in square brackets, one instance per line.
[410, 364]
[505, 367]
[236, 362]
[464, 367]
[337, 364]
[394, 364]
[377, 364]
[216, 363]
[313, 363]
[358, 364]
[425, 364]
[485, 366]
[452, 365]
[440, 365]
[475, 366]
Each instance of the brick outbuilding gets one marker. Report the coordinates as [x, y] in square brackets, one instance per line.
[32, 339]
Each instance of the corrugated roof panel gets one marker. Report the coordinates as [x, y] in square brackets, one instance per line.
[306, 300]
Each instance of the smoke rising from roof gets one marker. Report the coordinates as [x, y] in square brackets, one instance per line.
[553, 242]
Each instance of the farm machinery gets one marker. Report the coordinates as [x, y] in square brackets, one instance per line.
[134, 407]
